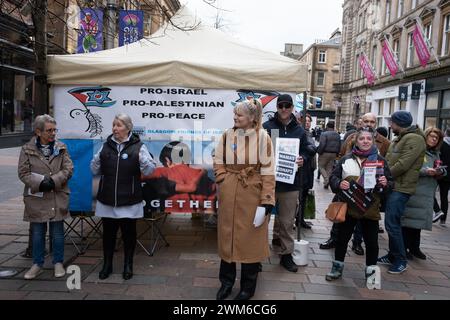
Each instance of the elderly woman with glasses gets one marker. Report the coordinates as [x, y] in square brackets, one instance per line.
[45, 168]
[351, 167]
[419, 208]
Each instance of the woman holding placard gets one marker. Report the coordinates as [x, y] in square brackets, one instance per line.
[370, 170]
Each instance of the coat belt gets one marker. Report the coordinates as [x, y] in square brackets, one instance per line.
[243, 174]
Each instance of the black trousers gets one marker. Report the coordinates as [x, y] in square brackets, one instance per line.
[444, 187]
[411, 238]
[249, 275]
[128, 230]
[370, 235]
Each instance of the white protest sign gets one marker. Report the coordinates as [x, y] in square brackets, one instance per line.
[286, 152]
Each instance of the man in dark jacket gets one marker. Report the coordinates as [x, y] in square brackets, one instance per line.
[329, 147]
[284, 125]
[405, 158]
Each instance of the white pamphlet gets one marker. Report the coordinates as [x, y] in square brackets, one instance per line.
[260, 216]
[370, 177]
[36, 177]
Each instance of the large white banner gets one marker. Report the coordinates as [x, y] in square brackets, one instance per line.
[164, 117]
[158, 113]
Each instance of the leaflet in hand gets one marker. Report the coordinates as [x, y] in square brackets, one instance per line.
[260, 216]
[36, 178]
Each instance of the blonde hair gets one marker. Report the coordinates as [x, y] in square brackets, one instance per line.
[252, 108]
[125, 119]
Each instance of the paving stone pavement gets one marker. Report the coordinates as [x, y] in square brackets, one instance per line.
[188, 267]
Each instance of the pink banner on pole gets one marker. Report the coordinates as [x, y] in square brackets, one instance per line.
[421, 47]
[367, 69]
[389, 59]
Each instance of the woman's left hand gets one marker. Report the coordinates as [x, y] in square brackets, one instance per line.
[382, 181]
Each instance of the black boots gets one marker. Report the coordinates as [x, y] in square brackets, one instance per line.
[288, 263]
[357, 248]
[329, 244]
[107, 266]
[227, 275]
[127, 267]
[249, 275]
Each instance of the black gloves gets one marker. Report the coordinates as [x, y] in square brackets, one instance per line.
[268, 207]
[47, 185]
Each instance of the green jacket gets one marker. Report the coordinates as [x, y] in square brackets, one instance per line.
[405, 158]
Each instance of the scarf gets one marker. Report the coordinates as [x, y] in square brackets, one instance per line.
[47, 150]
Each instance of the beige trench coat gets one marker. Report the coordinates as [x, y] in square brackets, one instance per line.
[245, 179]
[53, 205]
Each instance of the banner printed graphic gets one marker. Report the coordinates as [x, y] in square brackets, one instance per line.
[389, 59]
[90, 35]
[421, 47]
[91, 97]
[162, 116]
[131, 26]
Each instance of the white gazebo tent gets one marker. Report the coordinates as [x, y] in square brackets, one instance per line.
[201, 58]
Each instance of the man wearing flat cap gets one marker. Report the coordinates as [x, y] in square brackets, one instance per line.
[405, 158]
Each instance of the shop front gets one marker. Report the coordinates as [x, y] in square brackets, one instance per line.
[408, 96]
[16, 82]
[437, 111]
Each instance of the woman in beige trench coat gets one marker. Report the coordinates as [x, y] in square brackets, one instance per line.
[45, 168]
[243, 165]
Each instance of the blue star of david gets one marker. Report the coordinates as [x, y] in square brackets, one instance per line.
[244, 95]
[99, 96]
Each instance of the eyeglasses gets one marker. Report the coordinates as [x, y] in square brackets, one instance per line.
[284, 105]
[51, 130]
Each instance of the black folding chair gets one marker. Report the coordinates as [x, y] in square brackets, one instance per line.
[76, 228]
[154, 222]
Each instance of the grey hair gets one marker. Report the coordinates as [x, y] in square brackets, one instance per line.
[40, 121]
[126, 120]
[253, 108]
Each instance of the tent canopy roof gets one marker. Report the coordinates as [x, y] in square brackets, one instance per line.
[201, 58]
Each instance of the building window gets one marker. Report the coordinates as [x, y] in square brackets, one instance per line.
[396, 48]
[320, 78]
[322, 56]
[446, 35]
[391, 105]
[374, 56]
[383, 66]
[357, 66]
[410, 56]
[428, 31]
[381, 107]
[388, 13]
[402, 105]
[413, 4]
[400, 8]
[446, 100]
[16, 104]
[432, 101]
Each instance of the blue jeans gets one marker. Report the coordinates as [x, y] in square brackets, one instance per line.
[39, 230]
[395, 208]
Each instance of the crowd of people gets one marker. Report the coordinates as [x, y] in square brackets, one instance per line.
[399, 177]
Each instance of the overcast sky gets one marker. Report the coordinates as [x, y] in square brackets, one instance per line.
[269, 24]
